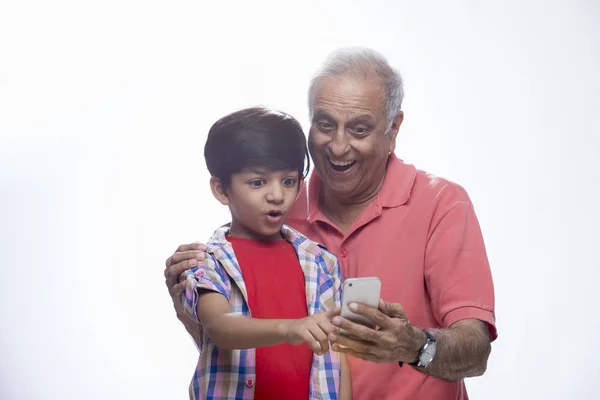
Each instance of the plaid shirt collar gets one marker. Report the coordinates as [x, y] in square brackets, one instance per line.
[222, 250]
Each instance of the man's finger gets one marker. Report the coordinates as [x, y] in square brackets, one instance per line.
[178, 289]
[175, 293]
[355, 344]
[354, 329]
[383, 307]
[356, 354]
[186, 255]
[373, 314]
[393, 310]
[191, 246]
[172, 273]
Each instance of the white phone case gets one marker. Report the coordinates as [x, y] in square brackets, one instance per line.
[360, 290]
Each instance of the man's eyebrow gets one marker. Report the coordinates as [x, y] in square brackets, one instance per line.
[363, 119]
[319, 113]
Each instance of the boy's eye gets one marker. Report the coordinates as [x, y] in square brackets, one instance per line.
[256, 183]
[289, 181]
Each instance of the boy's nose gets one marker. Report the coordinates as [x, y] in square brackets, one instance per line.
[275, 194]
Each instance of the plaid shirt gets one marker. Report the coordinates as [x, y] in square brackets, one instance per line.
[230, 374]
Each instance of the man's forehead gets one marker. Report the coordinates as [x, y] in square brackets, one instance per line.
[354, 114]
[350, 97]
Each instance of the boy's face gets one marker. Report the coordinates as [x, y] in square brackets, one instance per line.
[259, 201]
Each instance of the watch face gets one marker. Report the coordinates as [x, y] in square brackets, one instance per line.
[428, 353]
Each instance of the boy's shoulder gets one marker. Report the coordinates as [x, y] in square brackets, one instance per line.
[301, 241]
[218, 244]
[218, 238]
[218, 249]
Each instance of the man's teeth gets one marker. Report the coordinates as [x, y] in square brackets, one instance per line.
[341, 163]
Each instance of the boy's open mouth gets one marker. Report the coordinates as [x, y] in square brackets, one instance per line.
[274, 213]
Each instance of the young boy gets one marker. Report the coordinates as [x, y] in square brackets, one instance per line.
[265, 295]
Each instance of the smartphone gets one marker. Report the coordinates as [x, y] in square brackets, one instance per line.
[360, 290]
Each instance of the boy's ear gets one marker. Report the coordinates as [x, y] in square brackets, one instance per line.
[219, 190]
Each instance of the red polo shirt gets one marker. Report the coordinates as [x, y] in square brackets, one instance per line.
[421, 237]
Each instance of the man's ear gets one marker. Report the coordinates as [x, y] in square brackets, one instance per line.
[394, 130]
[219, 190]
[301, 184]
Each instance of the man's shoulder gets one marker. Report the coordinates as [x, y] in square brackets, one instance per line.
[437, 188]
[405, 183]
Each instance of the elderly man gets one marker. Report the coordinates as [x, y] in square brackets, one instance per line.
[382, 217]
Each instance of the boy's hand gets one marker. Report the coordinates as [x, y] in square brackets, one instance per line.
[313, 330]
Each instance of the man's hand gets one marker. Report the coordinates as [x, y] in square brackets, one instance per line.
[395, 340]
[313, 330]
[185, 257]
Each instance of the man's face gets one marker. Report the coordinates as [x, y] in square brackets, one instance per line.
[348, 140]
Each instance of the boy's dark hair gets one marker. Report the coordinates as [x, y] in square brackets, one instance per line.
[255, 137]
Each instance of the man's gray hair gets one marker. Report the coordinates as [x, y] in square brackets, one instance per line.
[362, 63]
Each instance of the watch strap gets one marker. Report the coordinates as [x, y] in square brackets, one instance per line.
[428, 340]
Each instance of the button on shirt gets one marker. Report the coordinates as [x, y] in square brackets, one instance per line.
[421, 237]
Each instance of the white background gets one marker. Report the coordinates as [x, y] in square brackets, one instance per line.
[104, 108]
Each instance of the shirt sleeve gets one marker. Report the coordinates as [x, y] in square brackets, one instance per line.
[457, 270]
[208, 275]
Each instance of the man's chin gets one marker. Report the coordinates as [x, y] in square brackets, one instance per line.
[340, 189]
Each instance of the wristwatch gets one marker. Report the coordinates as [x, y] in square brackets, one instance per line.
[427, 352]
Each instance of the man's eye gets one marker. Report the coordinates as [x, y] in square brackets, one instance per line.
[324, 125]
[289, 182]
[361, 130]
[256, 183]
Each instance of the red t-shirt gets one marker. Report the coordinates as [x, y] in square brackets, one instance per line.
[276, 290]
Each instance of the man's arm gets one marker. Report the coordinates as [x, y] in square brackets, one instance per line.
[462, 350]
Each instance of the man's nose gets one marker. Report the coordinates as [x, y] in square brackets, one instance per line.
[339, 143]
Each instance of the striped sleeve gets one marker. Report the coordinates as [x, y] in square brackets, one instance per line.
[207, 276]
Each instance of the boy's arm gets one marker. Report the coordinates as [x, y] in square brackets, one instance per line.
[345, 380]
[234, 331]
